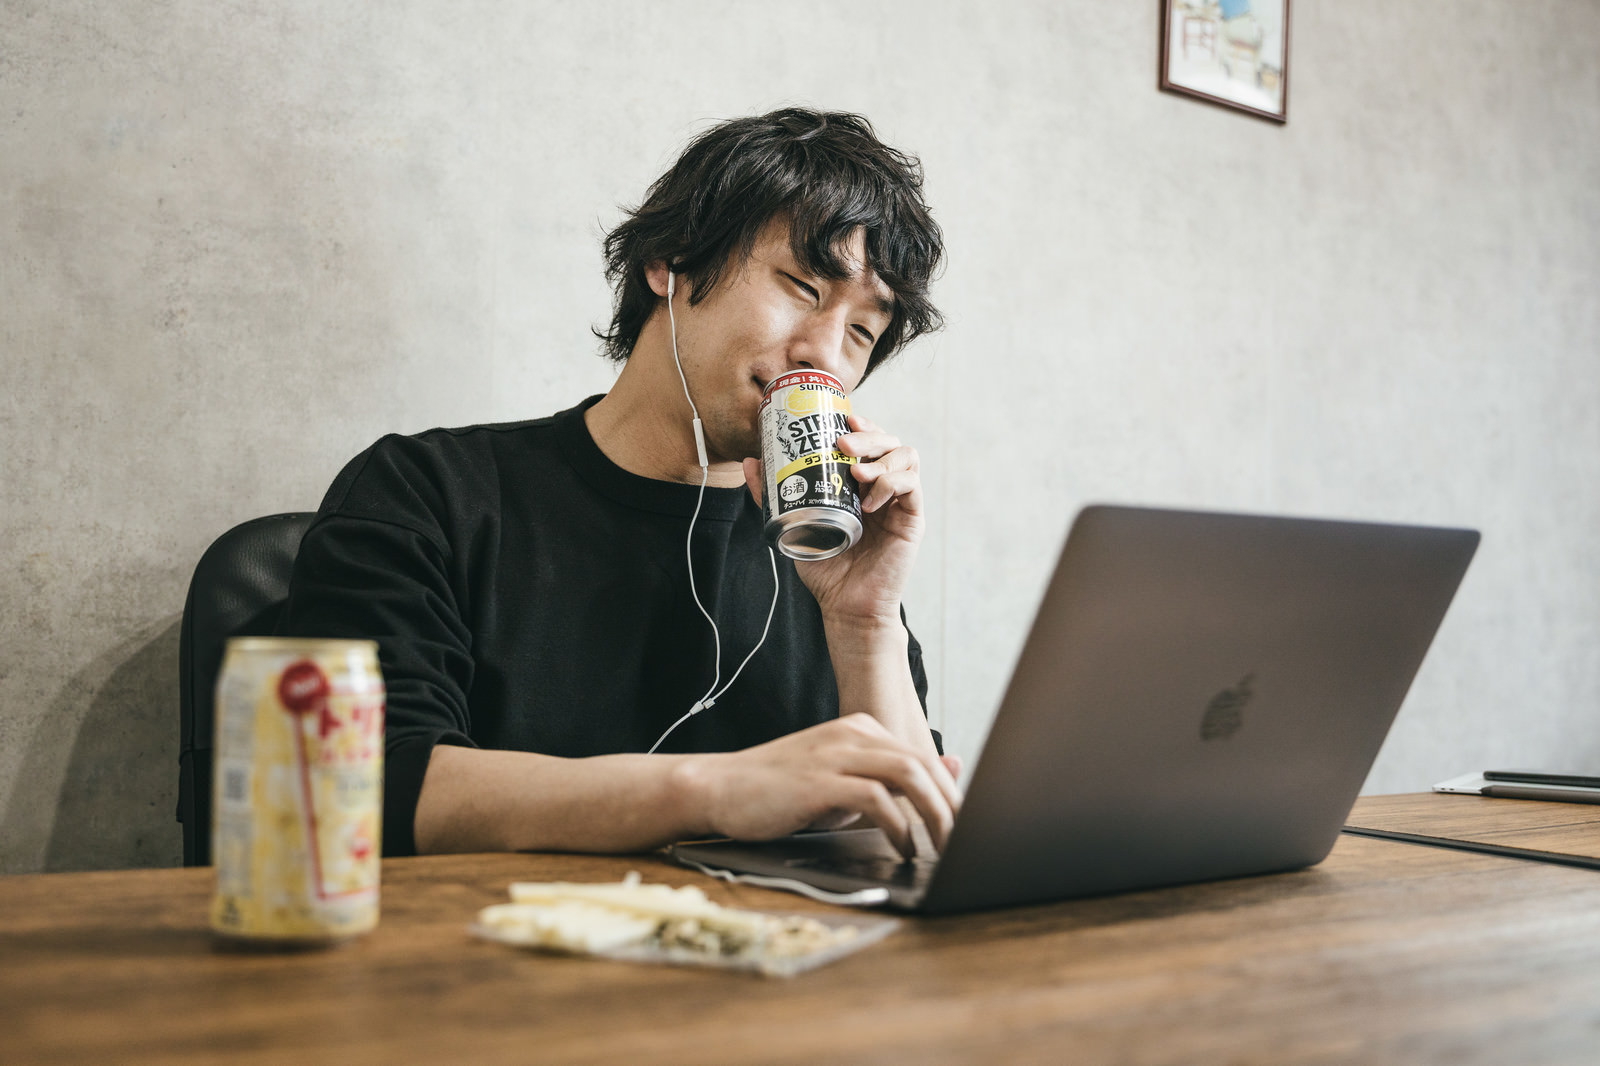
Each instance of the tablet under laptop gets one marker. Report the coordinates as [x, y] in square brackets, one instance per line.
[1201, 696]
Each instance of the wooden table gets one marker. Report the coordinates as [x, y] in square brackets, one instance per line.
[1384, 953]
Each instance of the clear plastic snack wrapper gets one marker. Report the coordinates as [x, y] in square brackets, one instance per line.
[636, 922]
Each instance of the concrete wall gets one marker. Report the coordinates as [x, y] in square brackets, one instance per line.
[238, 241]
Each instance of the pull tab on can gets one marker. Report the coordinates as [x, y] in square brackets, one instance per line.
[810, 497]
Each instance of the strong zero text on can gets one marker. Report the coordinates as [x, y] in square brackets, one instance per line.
[810, 496]
[298, 790]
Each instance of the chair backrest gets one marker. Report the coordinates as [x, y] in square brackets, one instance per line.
[238, 590]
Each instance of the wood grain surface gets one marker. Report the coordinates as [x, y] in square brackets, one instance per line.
[1562, 828]
[1385, 952]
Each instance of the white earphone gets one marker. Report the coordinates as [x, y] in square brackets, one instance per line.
[713, 694]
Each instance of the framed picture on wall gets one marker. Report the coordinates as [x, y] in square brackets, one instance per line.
[1229, 52]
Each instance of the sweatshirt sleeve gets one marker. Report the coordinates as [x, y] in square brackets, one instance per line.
[387, 577]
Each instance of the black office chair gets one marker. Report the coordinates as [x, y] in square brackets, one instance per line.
[238, 590]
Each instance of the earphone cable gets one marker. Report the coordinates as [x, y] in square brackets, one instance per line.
[709, 699]
[713, 693]
[771, 610]
[688, 540]
[716, 634]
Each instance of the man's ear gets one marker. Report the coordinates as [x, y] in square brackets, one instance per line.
[655, 272]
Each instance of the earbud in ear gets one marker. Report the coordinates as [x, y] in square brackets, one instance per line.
[670, 277]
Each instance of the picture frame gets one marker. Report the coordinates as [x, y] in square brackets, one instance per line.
[1234, 53]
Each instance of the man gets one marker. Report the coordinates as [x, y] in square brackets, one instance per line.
[529, 585]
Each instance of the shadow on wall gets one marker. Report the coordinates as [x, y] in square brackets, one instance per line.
[113, 804]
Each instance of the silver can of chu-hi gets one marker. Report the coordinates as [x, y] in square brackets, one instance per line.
[810, 497]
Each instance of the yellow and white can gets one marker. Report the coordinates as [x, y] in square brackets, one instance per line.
[298, 790]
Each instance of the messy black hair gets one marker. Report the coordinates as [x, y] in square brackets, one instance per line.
[826, 171]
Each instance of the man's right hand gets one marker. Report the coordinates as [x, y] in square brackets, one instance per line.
[828, 775]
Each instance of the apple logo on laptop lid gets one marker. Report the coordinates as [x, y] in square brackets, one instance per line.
[1225, 713]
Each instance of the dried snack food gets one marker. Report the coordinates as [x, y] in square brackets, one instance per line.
[658, 923]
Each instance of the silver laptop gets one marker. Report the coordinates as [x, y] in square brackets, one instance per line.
[1201, 696]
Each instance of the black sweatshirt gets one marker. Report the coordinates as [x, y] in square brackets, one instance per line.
[528, 594]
